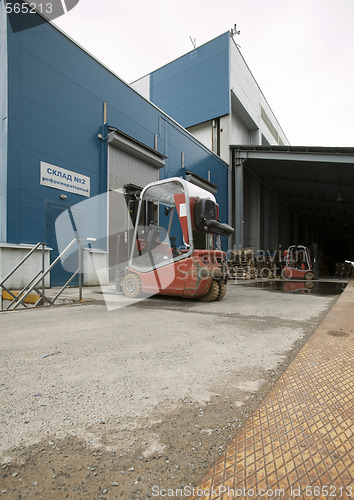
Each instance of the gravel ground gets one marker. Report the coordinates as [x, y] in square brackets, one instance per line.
[98, 404]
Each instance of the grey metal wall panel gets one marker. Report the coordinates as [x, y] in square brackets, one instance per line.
[124, 168]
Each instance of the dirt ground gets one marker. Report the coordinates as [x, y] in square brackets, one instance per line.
[74, 426]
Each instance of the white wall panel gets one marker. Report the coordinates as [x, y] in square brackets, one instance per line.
[142, 86]
[203, 132]
[243, 84]
[251, 98]
[240, 134]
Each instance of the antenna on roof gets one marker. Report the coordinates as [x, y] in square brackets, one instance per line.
[194, 42]
[234, 31]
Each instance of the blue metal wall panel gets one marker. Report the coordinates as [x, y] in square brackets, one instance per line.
[195, 160]
[56, 97]
[3, 123]
[195, 88]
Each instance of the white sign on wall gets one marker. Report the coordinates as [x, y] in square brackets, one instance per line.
[65, 180]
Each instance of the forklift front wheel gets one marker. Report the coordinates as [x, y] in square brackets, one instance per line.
[222, 290]
[131, 286]
[212, 293]
[308, 276]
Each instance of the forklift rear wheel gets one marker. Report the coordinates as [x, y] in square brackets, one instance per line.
[308, 276]
[222, 290]
[131, 286]
[212, 294]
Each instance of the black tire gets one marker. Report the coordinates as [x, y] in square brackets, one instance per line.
[308, 276]
[222, 290]
[212, 293]
[131, 286]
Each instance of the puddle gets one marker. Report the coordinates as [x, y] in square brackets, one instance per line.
[313, 287]
[337, 333]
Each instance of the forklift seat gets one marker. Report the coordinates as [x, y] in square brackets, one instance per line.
[205, 218]
[216, 227]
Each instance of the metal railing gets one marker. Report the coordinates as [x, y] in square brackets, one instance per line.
[37, 282]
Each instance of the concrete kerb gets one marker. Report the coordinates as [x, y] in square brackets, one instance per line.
[341, 316]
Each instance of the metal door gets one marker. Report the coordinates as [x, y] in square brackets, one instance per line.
[59, 276]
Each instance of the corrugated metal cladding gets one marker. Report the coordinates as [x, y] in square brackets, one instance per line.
[123, 168]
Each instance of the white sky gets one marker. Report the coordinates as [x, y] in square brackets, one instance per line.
[299, 51]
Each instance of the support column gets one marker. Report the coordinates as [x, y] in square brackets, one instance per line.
[266, 220]
[239, 206]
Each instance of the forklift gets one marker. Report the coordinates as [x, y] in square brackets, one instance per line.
[176, 244]
[297, 263]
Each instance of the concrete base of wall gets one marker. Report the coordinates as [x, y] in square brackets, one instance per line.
[95, 260]
[11, 255]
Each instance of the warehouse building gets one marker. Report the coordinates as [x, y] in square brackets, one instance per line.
[71, 130]
[278, 195]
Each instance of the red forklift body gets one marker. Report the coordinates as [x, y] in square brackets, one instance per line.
[297, 263]
[176, 244]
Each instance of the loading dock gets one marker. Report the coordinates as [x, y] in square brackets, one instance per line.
[289, 194]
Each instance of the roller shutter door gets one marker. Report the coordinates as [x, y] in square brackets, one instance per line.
[124, 168]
